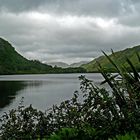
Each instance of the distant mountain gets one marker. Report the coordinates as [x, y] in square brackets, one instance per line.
[59, 64]
[78, 64]
[65, 65]
[118, 57]
[11, 62]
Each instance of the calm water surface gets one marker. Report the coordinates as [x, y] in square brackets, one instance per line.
[42, 91]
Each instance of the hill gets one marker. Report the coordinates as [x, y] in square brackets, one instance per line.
[11, 62]
[59, 64]
[118, 57]
[78, 64]
[65, 65]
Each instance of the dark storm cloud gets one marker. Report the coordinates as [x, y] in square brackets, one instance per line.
[20, 5]
[69, 30]
[80, 7]
[85, 7]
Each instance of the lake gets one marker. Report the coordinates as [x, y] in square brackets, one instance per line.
[41, 90]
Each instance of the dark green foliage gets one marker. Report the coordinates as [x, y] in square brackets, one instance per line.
[99, 115]
[65, 134]
[86, 134]
[127, 136]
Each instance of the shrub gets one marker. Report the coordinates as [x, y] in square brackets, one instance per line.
[127, 136]
[86, 134]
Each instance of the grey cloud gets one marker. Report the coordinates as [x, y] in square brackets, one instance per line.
[20, 5]
[53, 41]
[88, 7]
[131, 13]
[49, 38]
[108, 8]
[133, 20]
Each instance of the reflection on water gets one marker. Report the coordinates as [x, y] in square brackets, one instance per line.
[42, 91]
[8, 91]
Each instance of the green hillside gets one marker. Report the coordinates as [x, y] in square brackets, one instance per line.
[11, 62]
[118, 57]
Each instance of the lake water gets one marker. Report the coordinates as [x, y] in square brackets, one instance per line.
[42, 91]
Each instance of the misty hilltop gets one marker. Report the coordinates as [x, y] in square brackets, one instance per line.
[65, 65]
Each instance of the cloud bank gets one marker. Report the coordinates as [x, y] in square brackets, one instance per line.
[69, 31]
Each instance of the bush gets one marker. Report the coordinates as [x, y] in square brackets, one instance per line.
[102, 114]
[74, 134]
[127, 136]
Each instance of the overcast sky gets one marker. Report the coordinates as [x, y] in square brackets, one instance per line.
[69, 30]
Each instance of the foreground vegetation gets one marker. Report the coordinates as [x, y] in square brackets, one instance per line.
[101, 114]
